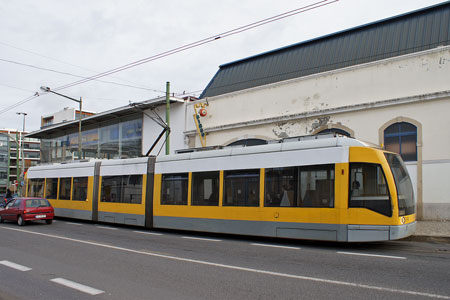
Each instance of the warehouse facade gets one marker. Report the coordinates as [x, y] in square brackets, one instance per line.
[384, 82]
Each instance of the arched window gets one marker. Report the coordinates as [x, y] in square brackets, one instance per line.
[335, 130]
[249, 142]
[402, 138]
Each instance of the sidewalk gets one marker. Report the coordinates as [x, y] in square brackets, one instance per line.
[432, 231]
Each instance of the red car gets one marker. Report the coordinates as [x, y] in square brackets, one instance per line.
[22, 210]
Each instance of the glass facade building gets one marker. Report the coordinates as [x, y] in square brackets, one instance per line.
[4, 162]
[117, 138]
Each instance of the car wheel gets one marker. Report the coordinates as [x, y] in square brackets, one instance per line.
[20, 221]
[49, 221]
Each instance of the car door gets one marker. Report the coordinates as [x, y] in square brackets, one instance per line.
[10, 210]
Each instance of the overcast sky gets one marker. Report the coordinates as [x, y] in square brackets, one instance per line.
[86, 37]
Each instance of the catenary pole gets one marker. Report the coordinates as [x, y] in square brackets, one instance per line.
[168, 117]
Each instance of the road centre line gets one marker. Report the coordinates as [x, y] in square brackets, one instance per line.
[72, 223]
[371, 255]
[276, 246]
[106, 227]
[150, 233]
[14, 266]
[77, 286]
[231, 267]
[200, 239]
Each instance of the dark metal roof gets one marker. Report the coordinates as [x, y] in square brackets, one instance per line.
[109, 115]
[408, 33]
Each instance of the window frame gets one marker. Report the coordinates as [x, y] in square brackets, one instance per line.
[247, 192]
[61, 180]
[184, 180]
[398, 135]
[32, 184]
[215, 193]
[350, 186]
[119, 188]
[46, 187]
[299, 200]
[74, 188]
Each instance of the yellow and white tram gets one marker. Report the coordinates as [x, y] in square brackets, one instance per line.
[333, 189]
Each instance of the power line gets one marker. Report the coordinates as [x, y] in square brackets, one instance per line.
[73, 75]
[16, 88]
[184, 48]
[202, 42]
[19, 103]
[61, 61]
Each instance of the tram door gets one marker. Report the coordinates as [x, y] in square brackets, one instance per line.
[96, 191]
[149, 192]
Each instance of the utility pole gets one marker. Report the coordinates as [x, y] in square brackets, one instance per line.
[18, 149]
[168, 117]
[48, 90]
[79, 128]
[22, 172]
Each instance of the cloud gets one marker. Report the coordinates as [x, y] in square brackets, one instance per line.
[101, 35]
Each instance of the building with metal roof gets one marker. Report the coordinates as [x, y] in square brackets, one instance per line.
[385, 82]
[412, 32]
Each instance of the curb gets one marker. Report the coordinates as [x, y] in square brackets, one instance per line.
[428, 239]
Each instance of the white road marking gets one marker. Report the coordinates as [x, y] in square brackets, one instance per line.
[146, 232]
[231, 267]
[200, 239]
[71, 223]
[371, 255]
[106, 227]
[77, 286]
[276, 246]
[14, 266]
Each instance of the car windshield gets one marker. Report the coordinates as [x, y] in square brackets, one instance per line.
[37, 203]
[405, 193]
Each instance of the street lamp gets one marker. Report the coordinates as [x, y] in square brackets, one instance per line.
[48, 90]
[22, 145]
[22, 172]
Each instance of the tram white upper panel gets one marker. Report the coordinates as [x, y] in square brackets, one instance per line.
[75, 169]
[238, 158]
[132, 166]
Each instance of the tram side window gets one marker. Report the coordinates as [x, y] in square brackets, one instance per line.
[64, 188]
[79, 191]
[241, 188]
[205, 188]
[281, 187]
[316, 186]
[174, 190]
[110, 188]
[132, 189]
[368, 188]
[36, 187]
[311, 186]
[51, 190]
[122, 189]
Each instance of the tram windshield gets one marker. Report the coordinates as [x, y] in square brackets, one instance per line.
[405, 194]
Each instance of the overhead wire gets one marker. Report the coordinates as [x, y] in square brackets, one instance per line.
[203, 41]
[61, 61]
[19, 103]
[16, 88]
[79, 76]
[184, 48]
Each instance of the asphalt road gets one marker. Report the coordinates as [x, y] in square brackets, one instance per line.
[76, 260]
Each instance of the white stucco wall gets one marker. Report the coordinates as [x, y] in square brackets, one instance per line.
[399, 77]
[361, 98]
[151, 129]
[68, 114]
